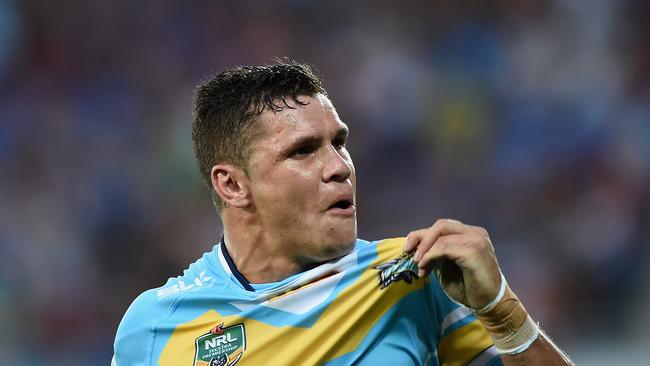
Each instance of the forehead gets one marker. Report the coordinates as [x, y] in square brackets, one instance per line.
[317, 117]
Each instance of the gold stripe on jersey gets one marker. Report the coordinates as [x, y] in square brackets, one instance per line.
[462, 345]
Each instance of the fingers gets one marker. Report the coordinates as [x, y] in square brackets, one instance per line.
[413, 239]
[454, 247]
[424, 239]
[463, 257]
[447, 238]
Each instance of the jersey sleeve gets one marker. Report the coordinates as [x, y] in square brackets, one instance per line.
[135, 335]
[462, 340]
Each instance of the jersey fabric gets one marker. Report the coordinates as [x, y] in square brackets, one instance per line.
[366, 308]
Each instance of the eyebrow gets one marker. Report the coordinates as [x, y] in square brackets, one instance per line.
[308, 140]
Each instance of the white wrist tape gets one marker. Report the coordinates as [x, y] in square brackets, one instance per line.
[496, 300]
[518, 341]
[512, 330]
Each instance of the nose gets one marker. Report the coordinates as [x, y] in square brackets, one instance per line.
[338, 166]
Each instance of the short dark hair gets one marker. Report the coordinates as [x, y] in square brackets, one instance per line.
[226, 105]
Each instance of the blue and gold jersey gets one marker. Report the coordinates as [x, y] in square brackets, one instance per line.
[367, 308]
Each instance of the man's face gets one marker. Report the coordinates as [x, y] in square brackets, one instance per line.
[302, 181]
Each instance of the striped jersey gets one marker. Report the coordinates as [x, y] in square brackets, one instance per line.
[366, 308]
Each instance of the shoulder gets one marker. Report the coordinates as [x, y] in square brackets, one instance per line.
[137, 329]
[134, 337]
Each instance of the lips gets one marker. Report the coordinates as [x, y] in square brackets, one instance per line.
[343, 206]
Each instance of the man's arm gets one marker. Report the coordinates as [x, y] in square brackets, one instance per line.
[462, 258]
[542, 352]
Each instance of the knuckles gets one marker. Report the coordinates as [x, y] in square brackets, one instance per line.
[478, 230]
[476, 238]
[480, 241]
[437, 224]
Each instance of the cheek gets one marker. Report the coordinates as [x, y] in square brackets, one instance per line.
[290, 189]
[302, 187]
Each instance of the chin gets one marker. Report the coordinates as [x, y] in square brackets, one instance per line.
[340, 246]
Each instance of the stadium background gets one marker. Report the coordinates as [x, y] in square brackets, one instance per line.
[531, 118]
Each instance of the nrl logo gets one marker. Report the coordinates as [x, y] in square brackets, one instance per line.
[221, 346]
[401, 268]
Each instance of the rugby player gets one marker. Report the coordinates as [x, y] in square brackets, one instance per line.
[289, 283]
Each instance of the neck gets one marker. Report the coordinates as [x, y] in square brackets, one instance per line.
[257, 256]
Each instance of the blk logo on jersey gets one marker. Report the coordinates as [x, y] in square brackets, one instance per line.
[221, 346]
[401, 268]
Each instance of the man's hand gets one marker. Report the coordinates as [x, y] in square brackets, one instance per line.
[463, 260]
[461, 256]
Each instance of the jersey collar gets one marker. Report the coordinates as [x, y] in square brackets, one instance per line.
[233, 269]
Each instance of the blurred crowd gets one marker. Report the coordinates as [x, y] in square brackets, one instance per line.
[530, 118]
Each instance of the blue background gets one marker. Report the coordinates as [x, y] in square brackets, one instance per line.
[530, 118]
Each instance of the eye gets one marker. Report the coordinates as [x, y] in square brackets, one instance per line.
[303, 151]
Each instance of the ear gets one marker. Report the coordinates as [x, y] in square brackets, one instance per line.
[231, 184]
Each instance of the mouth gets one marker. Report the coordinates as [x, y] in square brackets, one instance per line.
[342, 207]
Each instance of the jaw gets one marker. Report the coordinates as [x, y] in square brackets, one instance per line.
[328, 252]
[311, 238]
[340, 238]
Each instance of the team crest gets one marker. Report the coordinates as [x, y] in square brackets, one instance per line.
[221, 346]
[401, 268]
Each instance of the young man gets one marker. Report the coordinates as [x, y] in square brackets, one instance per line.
[290, 283]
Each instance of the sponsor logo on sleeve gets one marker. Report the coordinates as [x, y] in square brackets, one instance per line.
[202, 281]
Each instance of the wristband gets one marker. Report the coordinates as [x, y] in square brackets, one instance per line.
[496, 300]
[507, 322]
[520, 340]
